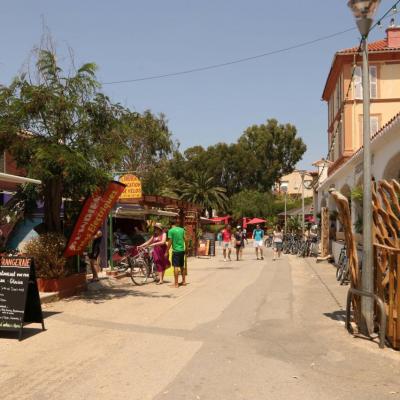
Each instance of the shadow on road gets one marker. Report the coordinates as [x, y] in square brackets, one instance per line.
[339, 315]
[103, 294]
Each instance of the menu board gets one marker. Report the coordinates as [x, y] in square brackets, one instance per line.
[19, 295]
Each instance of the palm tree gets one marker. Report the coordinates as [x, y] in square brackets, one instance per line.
[202, 191]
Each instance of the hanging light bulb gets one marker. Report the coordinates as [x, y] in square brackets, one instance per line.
[379, 25]
[392, 23]
[394, 10]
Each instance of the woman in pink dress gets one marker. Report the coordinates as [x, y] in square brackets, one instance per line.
[158, 242]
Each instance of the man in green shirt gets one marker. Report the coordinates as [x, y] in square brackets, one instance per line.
[176, 239]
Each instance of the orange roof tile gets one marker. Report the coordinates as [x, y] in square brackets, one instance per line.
[379, 45]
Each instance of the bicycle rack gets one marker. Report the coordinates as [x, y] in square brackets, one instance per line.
[382, 327]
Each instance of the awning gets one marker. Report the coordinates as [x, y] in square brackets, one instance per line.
[18, 179]
[256, 221]
[308, 210]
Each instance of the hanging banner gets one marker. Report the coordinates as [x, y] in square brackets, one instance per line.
[133, 188]
[94, 211]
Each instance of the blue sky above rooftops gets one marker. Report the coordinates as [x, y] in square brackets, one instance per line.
[134, 39]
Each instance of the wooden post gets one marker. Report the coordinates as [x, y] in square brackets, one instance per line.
[324, 233]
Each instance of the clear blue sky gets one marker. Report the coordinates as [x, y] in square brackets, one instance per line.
[132, 39]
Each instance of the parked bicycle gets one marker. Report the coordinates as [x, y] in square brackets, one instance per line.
[135, 262]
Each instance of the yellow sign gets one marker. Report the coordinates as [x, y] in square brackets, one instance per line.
[133, 188]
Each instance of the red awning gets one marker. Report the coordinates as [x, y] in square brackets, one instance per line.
[220, 219]
[255, 221]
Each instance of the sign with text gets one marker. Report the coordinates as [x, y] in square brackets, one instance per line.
[133, 188]
[94, 211]
[19, 294]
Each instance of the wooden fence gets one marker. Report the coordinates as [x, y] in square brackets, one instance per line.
[386, 230]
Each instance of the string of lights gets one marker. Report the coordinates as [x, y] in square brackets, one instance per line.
[391, 11]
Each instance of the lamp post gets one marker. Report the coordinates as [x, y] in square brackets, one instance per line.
[302, 174]
[284, 190]
[364, 12]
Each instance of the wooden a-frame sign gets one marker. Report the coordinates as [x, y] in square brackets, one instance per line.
[19, 294]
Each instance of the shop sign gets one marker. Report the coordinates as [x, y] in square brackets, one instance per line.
[133, 188]
[19, 294]
[94, 211]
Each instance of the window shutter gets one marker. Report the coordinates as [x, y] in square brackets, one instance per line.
[358, 83]
[373, 81]
[374, 125]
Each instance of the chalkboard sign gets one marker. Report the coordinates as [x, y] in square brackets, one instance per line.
[19, 294]
[211, 237]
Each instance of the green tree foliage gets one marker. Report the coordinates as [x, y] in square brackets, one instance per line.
[62, 129]
[251, 203]
[202, 190]
[149, 145]
[259, 158]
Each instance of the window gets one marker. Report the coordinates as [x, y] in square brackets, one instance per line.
[340, 139]
[374, 126]
[373, 82]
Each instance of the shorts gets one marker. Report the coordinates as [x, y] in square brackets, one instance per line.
[178, 259]
[94, 254]
[278, 246]
[258, 243]
[226, 245]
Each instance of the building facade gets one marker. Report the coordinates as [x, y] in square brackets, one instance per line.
[343, 94]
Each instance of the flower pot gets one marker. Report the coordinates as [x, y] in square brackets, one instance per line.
[65, 287]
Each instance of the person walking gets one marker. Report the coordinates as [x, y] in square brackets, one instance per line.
[176, 240]
[94, 255]
[219, 239]
[258, 237]
[239, 243]
[227, 241]
[277, 239]
[158, 242]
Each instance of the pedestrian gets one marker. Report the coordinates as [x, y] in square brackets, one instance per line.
[245, 235]
[94, 255]
[176, 240]
[158, 242]
[258, 237]
[239, 243]
[277, 239]
[227, 241]
[219, 239]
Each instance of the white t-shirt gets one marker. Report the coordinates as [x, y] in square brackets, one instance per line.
[278, 237]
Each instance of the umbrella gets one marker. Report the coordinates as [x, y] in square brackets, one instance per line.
[255, 221]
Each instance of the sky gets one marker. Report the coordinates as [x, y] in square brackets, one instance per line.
[130, 39]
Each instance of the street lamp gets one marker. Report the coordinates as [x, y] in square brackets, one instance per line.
[302, 174]
[364, 12]
[284, 189]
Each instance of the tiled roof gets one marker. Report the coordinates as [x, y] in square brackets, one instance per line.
[379, 45]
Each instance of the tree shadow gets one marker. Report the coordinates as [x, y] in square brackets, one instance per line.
[104, 294]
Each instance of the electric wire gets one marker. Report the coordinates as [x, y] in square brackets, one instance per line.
[232, 62]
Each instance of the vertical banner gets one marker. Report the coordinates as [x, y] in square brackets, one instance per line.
[94, 211]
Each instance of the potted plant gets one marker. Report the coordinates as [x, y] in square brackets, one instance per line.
[54, 272]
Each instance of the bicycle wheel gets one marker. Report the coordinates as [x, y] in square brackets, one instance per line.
[339, 271]
[345, 274]
[151, 271]
[138, 272]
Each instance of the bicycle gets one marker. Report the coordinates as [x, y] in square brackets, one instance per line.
[131, 261]
[342, 267]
